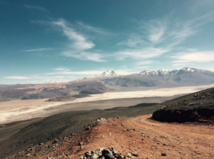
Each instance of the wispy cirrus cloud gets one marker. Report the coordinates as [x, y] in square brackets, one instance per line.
[61, 69]
[35, 7]
[79, 42]
[143, 53]
[91, 56]
[18, 77]
[156, 30]
[38, 50]
[93, 29]
[193, 56]
[67, 71]
[80, 46]
[144, 62]
[41, 78]
[200, 6]
[158, 37]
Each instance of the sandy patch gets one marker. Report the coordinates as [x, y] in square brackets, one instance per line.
[27, 109]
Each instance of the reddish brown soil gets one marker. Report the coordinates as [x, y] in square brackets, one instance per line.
[144, 137]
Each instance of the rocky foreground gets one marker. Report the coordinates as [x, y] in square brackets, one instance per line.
[131, 138]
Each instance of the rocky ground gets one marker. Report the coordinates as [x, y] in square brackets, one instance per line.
[197, 107]
[130, 138]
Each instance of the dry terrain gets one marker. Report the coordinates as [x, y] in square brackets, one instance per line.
[16, 110]
[142, 138]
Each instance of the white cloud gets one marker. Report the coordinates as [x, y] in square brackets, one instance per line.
[157, 37]
[144, 62]
[141, 53]
[66, 71]
[133, 41]
[156, 30]
[93, 29]
[79, 41]
[84, 56]
[42, 78]
[35, 7]
[38, 50]
[197, 56]
[18, 77]
[61, 69]
[79, 46]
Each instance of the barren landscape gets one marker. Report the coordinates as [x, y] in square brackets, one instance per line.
[106, 79]
[17, 110]
[143, 138]
[139, 138]
[94, 133]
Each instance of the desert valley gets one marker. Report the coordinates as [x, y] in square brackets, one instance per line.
[65, 120]
[106, 79]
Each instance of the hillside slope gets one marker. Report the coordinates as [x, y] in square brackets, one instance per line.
[72, 134]
[62, 125]
[198, 107]
[131, 138]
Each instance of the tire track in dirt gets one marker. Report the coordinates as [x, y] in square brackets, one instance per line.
[190, 141]
[144, 137]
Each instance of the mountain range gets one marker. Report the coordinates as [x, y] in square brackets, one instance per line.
[161, 78]
[109, 81]
[112, 73]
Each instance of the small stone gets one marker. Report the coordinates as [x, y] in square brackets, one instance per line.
[107, 154]
[110, 133]
[163, 154]
[129, 155]
[135, 154]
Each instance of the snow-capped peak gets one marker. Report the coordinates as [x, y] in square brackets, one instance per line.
[108, 74]
[189, 69]
[148, 72]
[166, 72]
[161, 72]
[111, 73]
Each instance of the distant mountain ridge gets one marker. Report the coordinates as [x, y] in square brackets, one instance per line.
[112, 73]
[110, 81]
[161, 78]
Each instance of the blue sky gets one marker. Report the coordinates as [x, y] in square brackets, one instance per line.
[51, 40]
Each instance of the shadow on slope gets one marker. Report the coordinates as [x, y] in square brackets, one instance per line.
[64, 124]
[196, 107]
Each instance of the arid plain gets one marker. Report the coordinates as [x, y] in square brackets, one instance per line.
[17, 110]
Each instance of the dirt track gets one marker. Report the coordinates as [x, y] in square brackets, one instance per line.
[147, 139]
[176, 140]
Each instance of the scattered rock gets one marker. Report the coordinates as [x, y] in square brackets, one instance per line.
[102, 153]
[135, 154]
[163, 154]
